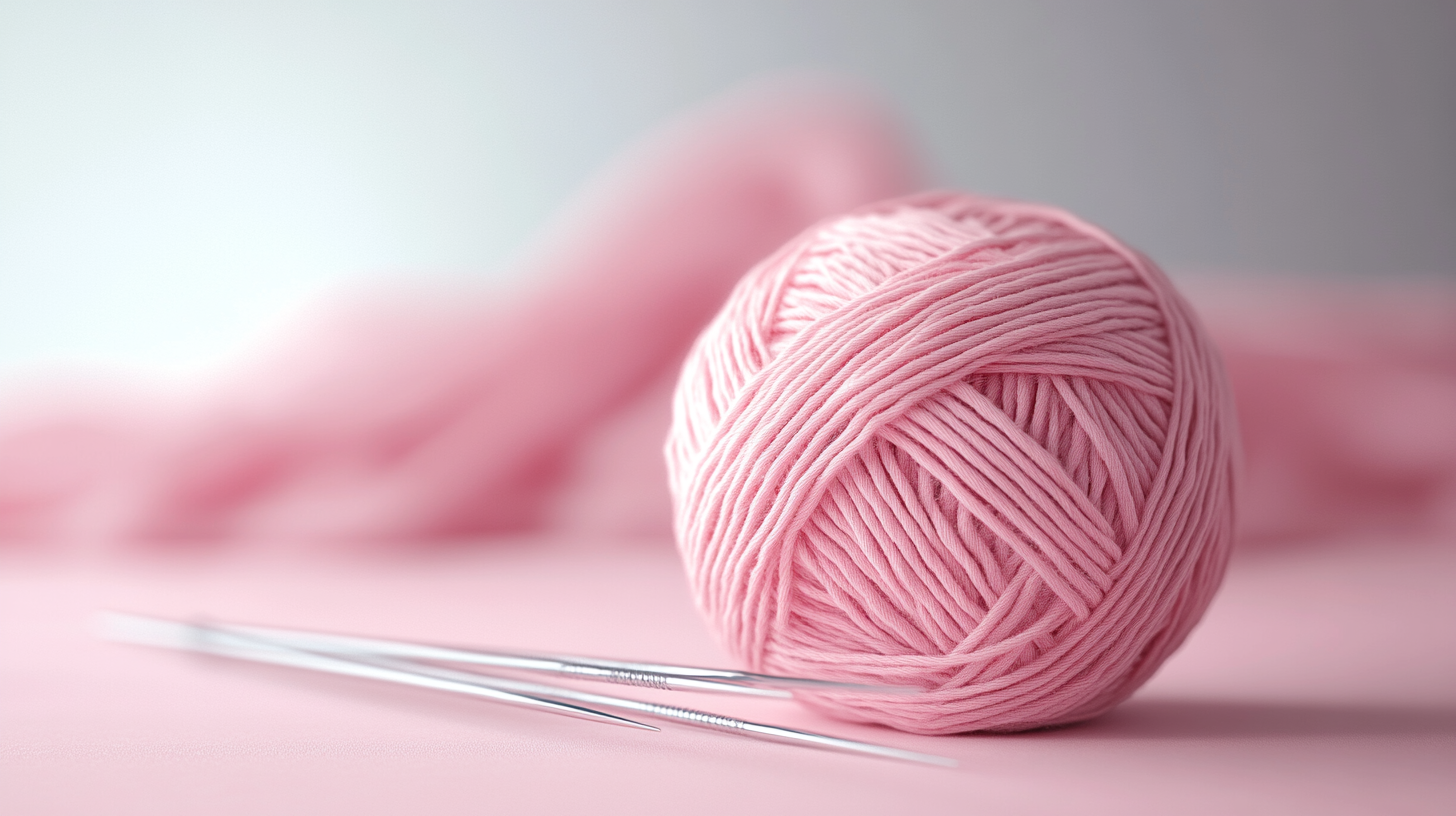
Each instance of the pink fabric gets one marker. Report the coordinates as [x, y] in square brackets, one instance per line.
[969, 445]
[433, 414]
[1346, 392]
[447, 416]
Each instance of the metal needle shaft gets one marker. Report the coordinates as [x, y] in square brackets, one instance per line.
[702, 719]
[649, 675]
[209, 640]
[361, 657]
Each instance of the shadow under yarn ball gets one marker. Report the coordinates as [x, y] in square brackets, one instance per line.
[974, 446]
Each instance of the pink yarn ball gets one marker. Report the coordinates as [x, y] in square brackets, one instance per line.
[970, 445]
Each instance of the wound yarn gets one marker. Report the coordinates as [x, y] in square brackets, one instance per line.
[970, 445]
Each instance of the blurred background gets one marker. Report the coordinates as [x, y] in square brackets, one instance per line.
[176, 176]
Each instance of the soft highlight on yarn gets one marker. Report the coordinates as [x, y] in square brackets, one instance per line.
[970, 445]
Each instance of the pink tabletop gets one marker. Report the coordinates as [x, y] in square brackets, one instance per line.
[1322, 681]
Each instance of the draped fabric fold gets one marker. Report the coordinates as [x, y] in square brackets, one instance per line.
[453, 412]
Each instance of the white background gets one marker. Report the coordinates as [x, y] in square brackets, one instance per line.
[176, 175]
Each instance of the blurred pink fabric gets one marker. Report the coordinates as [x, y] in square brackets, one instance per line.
[428, 414]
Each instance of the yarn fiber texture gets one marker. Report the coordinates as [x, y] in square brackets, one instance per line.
[970, 445]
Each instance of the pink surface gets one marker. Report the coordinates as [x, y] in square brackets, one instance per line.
[1322, 680]
[971, 445]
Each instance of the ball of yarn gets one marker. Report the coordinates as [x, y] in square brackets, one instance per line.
[974, 446]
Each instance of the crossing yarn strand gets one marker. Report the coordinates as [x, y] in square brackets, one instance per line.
[971, 445]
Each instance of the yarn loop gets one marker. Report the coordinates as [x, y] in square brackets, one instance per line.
[971, 445]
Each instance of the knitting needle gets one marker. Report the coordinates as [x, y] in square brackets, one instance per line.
[145, 631]
[215, 639]
[701, 719]
[649, 675]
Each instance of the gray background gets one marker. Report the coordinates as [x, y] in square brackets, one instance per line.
[174, 176]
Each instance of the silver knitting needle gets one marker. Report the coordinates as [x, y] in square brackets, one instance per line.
[215, 639]
[742, 679]
[701, 719]
[139, 630]
[648, 675]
